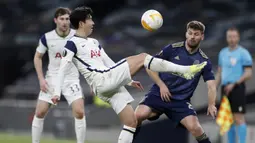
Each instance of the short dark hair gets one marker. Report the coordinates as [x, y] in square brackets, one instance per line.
[80, 14]
[61, 11]
[234, 29]
[197, 25]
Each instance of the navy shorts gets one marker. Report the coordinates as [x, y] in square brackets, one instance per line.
[175, 110]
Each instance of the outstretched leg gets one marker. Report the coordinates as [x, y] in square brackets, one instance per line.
[160, 65]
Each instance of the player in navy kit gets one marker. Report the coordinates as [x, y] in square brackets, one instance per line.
[170, 95]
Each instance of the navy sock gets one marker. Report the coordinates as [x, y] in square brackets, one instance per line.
[203, 139]
[136, 132]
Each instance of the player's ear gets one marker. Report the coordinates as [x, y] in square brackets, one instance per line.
[55, 20]
[80, 24]
[203, 36]
[186, 34]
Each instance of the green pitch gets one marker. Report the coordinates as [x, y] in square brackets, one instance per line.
[8, 138]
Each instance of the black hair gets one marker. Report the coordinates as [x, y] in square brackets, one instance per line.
[80, 14]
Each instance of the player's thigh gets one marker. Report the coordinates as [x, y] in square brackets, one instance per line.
[72, 91]
[155, 104]
[42, 108]
[179, 110]
[127, 116]
[192, 124]
[116, 77]
[119, 99]
[136, 63]
[143, 112]
[78, 108]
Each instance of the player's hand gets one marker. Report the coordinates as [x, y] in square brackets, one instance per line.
[229, 88]
[165, 93]
[137, 84]
[212, 110]
[55, 99]
[43, 85]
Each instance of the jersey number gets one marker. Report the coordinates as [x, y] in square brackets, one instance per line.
[189, 106]
[75, 88]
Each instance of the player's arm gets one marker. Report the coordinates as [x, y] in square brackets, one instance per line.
[218, 77]
[155, 77]
[212, 93]
[106, 59]
[211, 85]
[247, 64]
[40, 51]
[68, 54]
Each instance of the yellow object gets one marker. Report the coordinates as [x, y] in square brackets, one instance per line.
[100, 103]
[225, 116]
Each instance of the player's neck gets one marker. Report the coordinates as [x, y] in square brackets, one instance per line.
[62, 33]
[191, 50]
[81, 33]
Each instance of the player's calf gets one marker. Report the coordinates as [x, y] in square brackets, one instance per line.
[194, 127]
[79, 120]
[127, 117]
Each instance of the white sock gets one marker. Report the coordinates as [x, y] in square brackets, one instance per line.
[160, 65]
[80, 129]
[37, 128]
[127, 134]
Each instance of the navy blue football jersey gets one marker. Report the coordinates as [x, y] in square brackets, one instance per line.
[179, 87]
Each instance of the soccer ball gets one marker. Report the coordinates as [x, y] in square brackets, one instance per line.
[152, 20]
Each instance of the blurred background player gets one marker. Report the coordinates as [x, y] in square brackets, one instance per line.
[234, 69]
[107, 78]
[53, 42]
[171, 94]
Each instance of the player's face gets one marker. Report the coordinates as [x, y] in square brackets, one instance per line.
[63, 22]
[232, 37]
[194, 37]
[88, 25]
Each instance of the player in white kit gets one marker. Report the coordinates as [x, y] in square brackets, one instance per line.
[107, 78]
[53, 43]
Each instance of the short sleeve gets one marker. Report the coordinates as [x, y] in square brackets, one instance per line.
[42, 45]
[246, 59]
[165, 53]
[208, 72]
[70, 45]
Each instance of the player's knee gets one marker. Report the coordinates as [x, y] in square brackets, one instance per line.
[79, 113]
[131, 122]
[140, 116]
[142, 56]
[196, 129]
[40, 113]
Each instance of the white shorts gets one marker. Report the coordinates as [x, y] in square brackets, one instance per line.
[119, 99]
[110, 86]
[111, 80]
[71, 89]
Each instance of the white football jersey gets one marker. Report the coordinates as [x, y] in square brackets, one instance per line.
[54, 45]
[88, 56]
